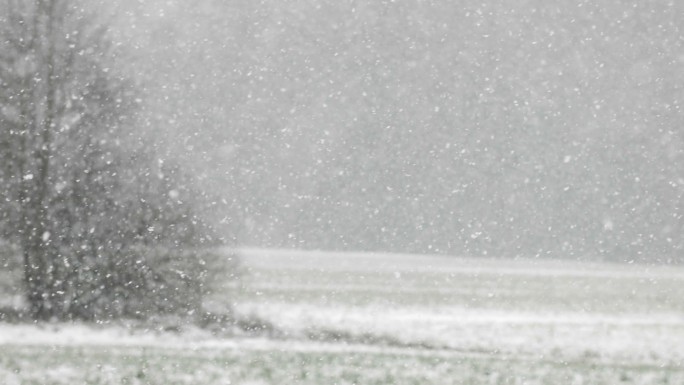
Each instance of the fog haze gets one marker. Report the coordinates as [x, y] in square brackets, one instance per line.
[535, 128]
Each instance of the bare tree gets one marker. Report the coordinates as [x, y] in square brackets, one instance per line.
[92, 211]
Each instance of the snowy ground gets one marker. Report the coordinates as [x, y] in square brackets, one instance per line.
[562, 310]
[391, 319]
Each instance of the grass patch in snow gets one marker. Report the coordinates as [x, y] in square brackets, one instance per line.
[276, 365]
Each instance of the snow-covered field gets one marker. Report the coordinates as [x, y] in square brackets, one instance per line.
[562, 310]
[391, 319]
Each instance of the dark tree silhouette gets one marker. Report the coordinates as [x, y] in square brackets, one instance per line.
[103, 227]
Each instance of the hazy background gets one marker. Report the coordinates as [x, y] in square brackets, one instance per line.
[527, 128]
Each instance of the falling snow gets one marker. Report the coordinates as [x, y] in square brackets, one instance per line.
[331, 192]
